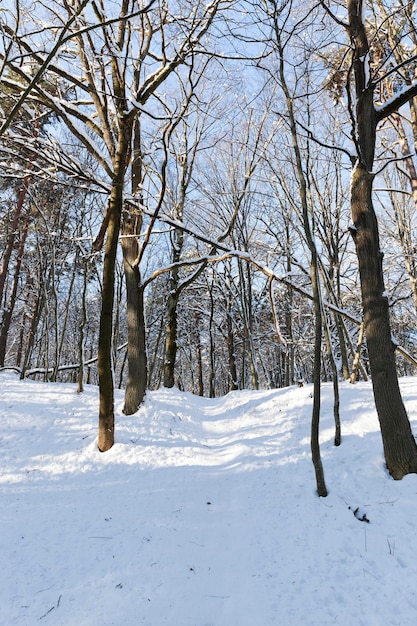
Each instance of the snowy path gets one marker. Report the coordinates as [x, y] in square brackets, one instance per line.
[203, 514]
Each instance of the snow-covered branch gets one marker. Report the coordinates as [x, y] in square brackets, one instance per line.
[396, 102]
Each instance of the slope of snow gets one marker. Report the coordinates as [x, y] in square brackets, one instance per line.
[204, 513]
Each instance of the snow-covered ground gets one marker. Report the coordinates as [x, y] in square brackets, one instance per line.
[204, 513]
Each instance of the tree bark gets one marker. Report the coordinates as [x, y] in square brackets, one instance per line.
[335, 381]
[200, 379]
[12, 235]
[315, 415]
[170, 339]
[171, 327]
[231, 348]
[136, 342]
[399, 445]
[81, 328]
[356, 359]
[7, 314]
[33, 326]
[105, 360]
[289, 356]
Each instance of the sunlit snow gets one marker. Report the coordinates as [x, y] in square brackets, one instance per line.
[204, 513]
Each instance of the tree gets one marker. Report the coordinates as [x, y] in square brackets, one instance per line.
[120, 57]
[284, 30]
[399, 445]
[187, 140]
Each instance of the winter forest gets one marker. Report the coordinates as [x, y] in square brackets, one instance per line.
[214, 196]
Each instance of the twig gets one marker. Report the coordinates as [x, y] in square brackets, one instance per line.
[52, 608]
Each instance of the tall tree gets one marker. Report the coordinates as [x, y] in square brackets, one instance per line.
[399, 445]
[284, 29]
[120, 55]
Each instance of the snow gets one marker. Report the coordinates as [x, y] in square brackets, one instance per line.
[366, 60]
[398, 96]
[204, 513]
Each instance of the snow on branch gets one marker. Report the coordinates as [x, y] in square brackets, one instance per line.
[397, 101]
[224, 252]
[38, 76]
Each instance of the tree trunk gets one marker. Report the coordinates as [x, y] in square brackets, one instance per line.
[153, 365]
[356, 359]
[170, 339]
[7, 314]
[342, 345]
[315, 415]
[314, 274]
[212, 358]
[177, 241]
[231, 350]
[22, 335]
[245, 280]
[33, 326]
[335, 381]
[12, 235]
[81, 328]
[399, 445]
[200, 379]
[289, 357]
[136, 342]
[105, 361]
[200, 370]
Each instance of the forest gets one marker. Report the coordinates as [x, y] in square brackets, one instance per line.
[214, 196]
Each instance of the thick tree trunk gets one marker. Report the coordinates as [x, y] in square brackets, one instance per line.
[171, 327]
[154, 368]
[136, 342]
[247, 315]
[105, 361]
[105, 355]
[22, 335]
[399, 445]
[113, 219]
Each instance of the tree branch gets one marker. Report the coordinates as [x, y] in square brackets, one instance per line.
[397, 101]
